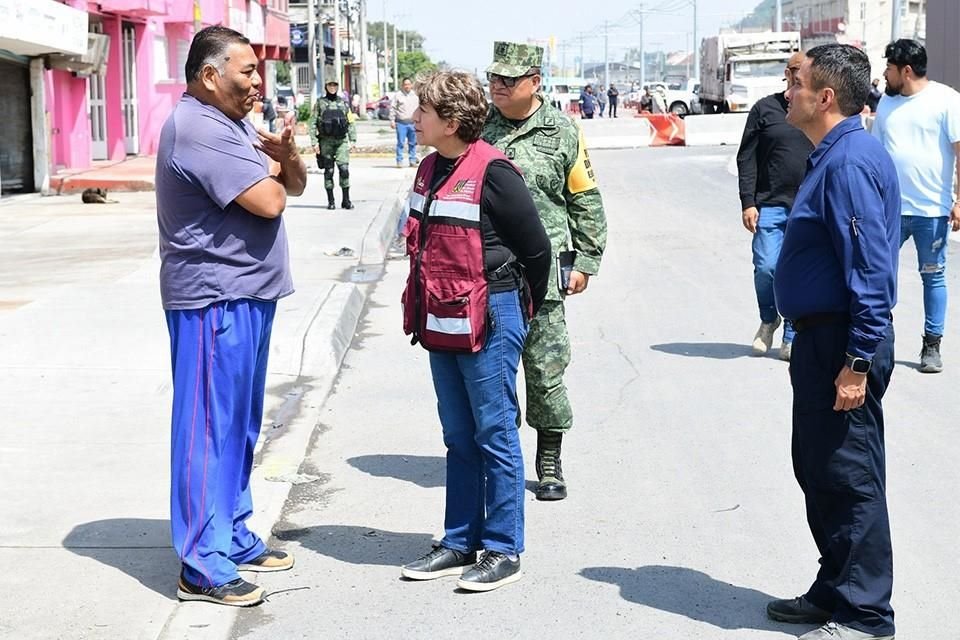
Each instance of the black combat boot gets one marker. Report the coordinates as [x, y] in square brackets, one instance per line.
[930, 361]
[331, 200]
[550, 485]
[345, 203]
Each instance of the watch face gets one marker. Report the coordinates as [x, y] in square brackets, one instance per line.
[859, 365]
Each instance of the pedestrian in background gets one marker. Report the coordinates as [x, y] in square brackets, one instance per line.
[837, 280]
[332, 133]
[614, 96]
[550, 150]
[771, 162]
[874, 98]
[401, 118]
[588, 103]
[221, 192]
[918, 122]
[269, 114]
[482, 220]
[602, 99]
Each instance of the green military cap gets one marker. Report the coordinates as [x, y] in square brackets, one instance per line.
[514, 59]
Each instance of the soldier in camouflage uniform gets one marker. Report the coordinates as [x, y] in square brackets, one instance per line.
[549, 148]
[333, 150]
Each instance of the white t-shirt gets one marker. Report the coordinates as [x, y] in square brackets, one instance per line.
[919, 132]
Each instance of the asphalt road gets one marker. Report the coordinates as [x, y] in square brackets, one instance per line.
[683, 517]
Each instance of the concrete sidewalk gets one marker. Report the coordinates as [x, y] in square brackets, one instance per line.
[85, 384]
[375, 139]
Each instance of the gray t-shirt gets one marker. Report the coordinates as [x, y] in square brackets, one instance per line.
[211, 248]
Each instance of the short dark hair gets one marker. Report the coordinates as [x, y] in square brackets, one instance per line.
[846, 70]
[455, 96]
[906, 52]
[405, 78]
[209, 47]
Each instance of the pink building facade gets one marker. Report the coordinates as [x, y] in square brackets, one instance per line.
[120, 110]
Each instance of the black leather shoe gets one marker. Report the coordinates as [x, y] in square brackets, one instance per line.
[797, 611]
[494, 570]
[439, 563]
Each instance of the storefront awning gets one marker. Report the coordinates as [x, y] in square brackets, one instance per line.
[40, 27]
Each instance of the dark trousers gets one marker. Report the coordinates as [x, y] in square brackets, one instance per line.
[839, 461]
[613, 107]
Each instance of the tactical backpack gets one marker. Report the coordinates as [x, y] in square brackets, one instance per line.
[333, 123]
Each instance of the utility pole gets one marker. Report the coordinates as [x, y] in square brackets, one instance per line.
[643, 55]
[606, 56]
[696, 45]
[311, 49]
[337, 62]
[396, 85]
[386, 75]
[581, 55]
[362, 16]
[895, 23]
[779, 25]
[404, 40]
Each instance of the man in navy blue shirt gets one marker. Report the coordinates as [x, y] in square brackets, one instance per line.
[836, 280]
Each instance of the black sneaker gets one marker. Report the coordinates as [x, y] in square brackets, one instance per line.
[494, 570]
[238, 593]
[930, 361]
[798, 611]
[440, 562]
[268, 561]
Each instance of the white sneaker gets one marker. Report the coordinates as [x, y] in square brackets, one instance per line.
[764, 338]
[834, 631]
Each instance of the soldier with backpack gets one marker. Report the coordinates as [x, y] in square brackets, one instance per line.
[332, 134]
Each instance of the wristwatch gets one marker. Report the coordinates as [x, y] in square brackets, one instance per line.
[859, 365]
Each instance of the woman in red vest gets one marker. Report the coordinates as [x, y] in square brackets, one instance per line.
[479, 265]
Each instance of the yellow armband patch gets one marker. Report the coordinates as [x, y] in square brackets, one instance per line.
[581, 176]
[351, 117]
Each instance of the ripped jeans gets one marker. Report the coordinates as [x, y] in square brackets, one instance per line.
[930, 238]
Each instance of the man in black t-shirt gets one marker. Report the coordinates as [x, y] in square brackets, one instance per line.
[771, 163]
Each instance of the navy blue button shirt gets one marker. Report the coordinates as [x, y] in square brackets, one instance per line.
[842, 241]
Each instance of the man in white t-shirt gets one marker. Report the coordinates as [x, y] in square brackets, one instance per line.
[918, 121]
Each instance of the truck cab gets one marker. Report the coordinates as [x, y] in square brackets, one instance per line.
[737, 69]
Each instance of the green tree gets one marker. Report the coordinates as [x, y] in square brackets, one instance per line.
[413, 38]
[411, 64]
[283, 72]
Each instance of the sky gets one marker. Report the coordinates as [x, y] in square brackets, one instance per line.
[462, 33]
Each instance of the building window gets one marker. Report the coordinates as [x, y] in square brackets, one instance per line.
[183, 48]
[161, 63]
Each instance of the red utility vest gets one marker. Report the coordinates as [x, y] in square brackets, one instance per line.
[445, 304]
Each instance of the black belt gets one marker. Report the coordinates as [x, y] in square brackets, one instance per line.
[819, 320]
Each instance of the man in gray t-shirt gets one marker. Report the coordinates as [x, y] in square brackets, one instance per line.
[221, 190]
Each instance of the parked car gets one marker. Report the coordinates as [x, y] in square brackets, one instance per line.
[379, 109]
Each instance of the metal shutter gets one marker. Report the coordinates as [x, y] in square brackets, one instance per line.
[16, 137]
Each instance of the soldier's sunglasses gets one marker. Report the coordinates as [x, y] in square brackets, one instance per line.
[507, 81]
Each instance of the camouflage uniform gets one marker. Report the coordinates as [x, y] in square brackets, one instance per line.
[549, 148]
[333, 151]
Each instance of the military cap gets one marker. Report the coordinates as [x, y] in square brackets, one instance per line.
[514, 59]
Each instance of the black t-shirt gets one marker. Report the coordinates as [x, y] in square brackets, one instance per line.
[512, 230]
[772, 159]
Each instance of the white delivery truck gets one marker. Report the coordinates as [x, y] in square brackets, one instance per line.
[737, 69]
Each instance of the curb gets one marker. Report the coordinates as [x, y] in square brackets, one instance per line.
[281, 450]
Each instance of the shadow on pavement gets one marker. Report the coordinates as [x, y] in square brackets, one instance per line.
[138, 547]
[715, 350]
[909, 365]
[424, 471]
[360, 545]
[692, 594]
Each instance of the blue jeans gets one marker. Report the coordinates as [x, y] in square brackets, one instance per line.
[766, 249]
[477, 403]
[930, 238]
[406, 133]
